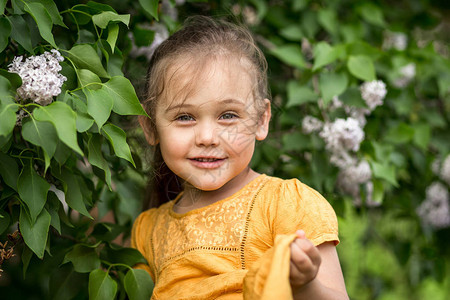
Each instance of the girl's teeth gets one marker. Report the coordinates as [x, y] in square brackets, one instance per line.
[206, 159]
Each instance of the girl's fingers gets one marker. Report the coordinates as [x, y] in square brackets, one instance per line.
[299, 257]
[311, 251]
[304, 252]
[301, 234]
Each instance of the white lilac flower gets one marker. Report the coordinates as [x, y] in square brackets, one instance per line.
[435, 210]
[41, 80]
[358, 113]
[350, 180]
[358, 173]
[342, 159]
[373, 93]
[396, 40]
[342, 134]
[445, 170]
[407, 73]
[311, 124]
[336, 103]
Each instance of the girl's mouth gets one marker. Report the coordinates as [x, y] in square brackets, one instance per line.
[207, 162]
[206, 159]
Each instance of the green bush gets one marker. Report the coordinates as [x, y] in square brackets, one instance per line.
[369, 80]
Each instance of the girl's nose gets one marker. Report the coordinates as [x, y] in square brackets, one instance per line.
[206, 134]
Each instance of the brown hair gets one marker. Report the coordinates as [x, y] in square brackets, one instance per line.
[199, 38]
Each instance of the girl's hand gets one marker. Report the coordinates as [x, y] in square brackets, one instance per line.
[305, 262]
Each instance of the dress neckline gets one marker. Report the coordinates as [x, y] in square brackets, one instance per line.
[174, 214]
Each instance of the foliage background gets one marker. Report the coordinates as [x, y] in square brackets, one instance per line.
[386, 251]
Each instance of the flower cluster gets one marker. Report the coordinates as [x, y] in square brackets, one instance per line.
[373, 93]
[435, 210]
[311, 124]
[396, 40]
[343, 138]
[445, 170]
[40, 76]
[342, 135]
[407, 74]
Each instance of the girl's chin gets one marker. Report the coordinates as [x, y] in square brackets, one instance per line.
[206, 186]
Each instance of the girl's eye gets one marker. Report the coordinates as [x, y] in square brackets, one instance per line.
[184, 118]
[228, 116]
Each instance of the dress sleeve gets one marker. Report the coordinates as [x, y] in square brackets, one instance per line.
[298, 206]
[140, 239]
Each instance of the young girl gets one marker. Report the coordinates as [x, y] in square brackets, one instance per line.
[229, 232]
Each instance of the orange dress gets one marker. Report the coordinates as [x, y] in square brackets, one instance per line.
[206, 253]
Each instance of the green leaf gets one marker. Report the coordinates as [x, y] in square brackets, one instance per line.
[95, 157]
[422, 135]
[295, 141]
[113, 33]
[372, 14]
[151, 7]
[14, 79]
[400, 134]
[361, 67]
[83, 258]
[42, 134]
[102, 19]
[291, 55]
[328, 19]
[138, 284]
[35, 236]
[53, 207]
[72, 190]
[62, 153]
[8, 117]
[298, 94]
[332, 84]
[43, 20]
[117, 138]
[20, 32]
[84, 122]
[85, 57]
[5, 31]
[33, 190]
[88, 78]
[65, 283]
[385, 172]
[324, 54]
[101, 286]
[106, 231]
[64, 120]
[2, 6]
[9, 170]
[99, 105]
[4, 221]
[125, 100]
[26, 258]
[143, 36]
[378, 191]
[292, 32]
[127, 256]
[53, 11]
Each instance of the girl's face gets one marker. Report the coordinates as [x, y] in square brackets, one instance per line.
[207, 124]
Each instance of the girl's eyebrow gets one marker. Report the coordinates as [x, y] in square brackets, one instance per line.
[186, 105]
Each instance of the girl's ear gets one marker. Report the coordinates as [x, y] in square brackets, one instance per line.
[263, 123]
[150, 135]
